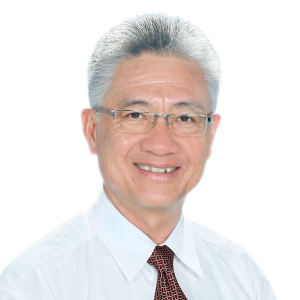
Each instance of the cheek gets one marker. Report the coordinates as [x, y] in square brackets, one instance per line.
[196, 151]
[198, 157]
[114, 149]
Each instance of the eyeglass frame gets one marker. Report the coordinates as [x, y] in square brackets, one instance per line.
[112, 113]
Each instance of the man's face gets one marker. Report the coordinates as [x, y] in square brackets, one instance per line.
[158, 84]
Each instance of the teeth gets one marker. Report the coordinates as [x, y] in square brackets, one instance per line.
[155, 170]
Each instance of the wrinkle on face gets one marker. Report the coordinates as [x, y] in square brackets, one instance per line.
[156, 80]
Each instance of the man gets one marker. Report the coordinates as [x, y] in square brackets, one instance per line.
[153, 87]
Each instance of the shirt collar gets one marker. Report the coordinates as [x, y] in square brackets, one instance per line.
[182, 244]
[129, 246]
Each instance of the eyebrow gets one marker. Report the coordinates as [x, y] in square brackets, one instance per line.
[190, 104]
[130, 102]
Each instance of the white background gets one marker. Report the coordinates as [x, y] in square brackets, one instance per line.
[250, 190]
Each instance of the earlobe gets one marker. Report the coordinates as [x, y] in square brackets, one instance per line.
[88, 118]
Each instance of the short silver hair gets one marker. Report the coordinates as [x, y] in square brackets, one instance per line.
[154, 33]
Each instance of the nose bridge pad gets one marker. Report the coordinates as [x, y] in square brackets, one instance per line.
[154, 120]
[167, 118]
[164, 116]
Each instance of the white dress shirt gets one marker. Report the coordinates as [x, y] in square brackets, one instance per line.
[98, 254]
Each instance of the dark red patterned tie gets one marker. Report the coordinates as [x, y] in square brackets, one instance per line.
[167, 287]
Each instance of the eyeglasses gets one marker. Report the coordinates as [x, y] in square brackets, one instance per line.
[135, 121]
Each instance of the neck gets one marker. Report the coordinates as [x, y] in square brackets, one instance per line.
[156, 223]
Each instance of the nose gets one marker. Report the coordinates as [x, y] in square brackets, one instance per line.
[159, 140]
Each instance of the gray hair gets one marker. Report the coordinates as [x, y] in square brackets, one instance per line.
[156, 33]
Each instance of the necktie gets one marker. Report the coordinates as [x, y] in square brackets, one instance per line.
[167, 287]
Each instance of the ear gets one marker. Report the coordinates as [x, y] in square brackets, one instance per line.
[88, 119]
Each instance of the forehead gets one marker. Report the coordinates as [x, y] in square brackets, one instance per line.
[159, 81]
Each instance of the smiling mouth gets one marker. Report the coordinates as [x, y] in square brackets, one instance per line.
[156, 170]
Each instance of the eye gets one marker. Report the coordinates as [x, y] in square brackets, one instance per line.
[136, 115]
[185, 119]
[133, 115]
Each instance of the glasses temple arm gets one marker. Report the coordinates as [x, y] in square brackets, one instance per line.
[104, 110]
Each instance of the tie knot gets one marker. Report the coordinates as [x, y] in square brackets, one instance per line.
[162, 258]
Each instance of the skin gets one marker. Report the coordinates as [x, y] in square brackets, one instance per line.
[151, 201]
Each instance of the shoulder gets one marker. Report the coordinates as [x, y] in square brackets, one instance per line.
[64, 239]
[230, 259]
[6, 296]
[211, 238]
